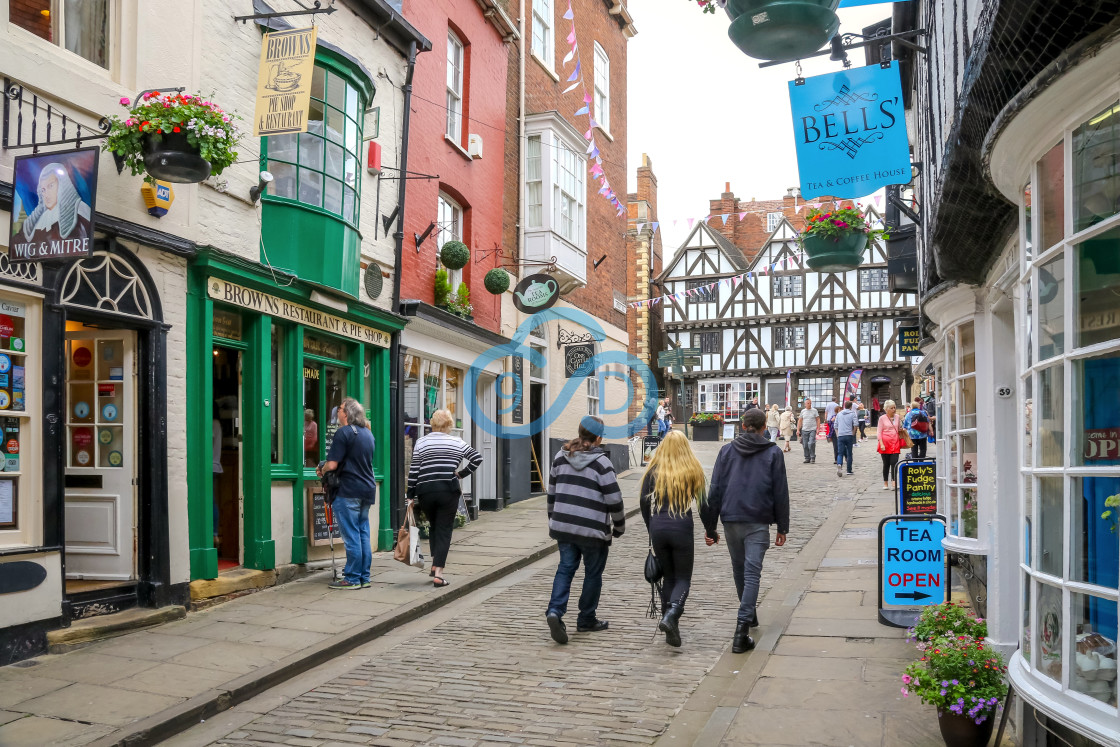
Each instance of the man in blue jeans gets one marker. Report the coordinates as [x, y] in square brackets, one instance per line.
[748, 492]
[845, 436]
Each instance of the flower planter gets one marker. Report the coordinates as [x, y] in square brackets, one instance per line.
[171, 158]
[825, 254]
[781, 29]
[707, 431]
[962, 731]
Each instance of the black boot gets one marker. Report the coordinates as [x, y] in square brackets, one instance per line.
[668, 624]
[742, 642]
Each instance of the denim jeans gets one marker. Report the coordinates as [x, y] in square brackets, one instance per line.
[844, 446]
[594, 561]
[809, 444]
[352, 517]
[661, 428]
[747, 542]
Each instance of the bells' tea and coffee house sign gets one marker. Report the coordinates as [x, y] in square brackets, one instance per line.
[850, 132]
[246, 298]
[53, 206]
[284, 82]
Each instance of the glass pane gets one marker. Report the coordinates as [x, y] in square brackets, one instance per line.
[968, 458]
[1030, 323]
[318, 84]
[951, 351]
[953, 510]
[335, 391]
[353, 138]
[282, 147]
[283, 182]
[87, 29]
[350, 170]
[351, 101]
[1096, 423]
[1051, 308]
[538, 371]
[31, 15]
[967, 349]
[969, 513]
[453, 378]
[312, 408]
[334, 160]
[1028, 229]
[1025, 638]
[432, 379]
[274, 398]
[310, 187]
[315, 117]
[348, 204]
[332, 196]
[311, 151]
[1028, 519]
[968, 403]
[1028, 405]
[336, 91]
[1050, 631]
[1096, 168]
[1052, 178]
[336, 125]
[1094, 510]
[1093, 647]
[951, 406]
[1051, 431]
[1096, 306]
[1050, 527]
[954, 451]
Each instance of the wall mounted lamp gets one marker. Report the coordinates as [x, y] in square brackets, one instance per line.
[256, 192]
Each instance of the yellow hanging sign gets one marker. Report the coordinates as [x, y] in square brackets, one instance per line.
[284, 82]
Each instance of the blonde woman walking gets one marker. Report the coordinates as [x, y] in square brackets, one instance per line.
[785, 426]
[673, 484]
[773, 421]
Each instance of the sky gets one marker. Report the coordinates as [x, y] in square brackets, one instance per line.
[706, 114]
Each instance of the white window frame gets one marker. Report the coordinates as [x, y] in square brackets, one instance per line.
[569, 193]
[794, 283]
[541, 45]
[449, 227]
[593, 394]
[815, 389]
[58, 38]
[772, 222]
[953, 485]
[534, 183]
[602, 94]
[874, 332]
[880, 272]
[726, 397]
[456, 61]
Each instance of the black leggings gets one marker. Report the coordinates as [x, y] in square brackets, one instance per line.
[672, 544]
[890, 461]
[918, 450]
[863, 429]
[440, 508]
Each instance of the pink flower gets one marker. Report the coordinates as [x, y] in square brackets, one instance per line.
[905, 693]
[129, 122]
[125, 101]
[906, 679]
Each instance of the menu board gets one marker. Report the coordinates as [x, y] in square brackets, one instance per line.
[7, 503]
[917, 487]
[319, 533]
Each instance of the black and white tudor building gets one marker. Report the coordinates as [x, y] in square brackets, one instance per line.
[818, 326]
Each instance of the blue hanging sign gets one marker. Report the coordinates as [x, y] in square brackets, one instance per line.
[850, 132]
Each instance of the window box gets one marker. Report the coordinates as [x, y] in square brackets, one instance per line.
[706, 431]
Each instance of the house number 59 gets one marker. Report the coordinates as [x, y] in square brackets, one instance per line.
[1004, 392]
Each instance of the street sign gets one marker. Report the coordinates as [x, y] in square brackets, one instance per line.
[690, 361]
[689, 352]
[913, 567]
[917, 487]
[669, 358]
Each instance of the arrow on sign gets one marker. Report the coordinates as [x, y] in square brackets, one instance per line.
[915, 595]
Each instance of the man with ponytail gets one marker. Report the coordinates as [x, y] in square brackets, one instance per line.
[585, 513]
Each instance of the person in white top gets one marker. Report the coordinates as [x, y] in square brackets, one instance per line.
[807, 424]
[660, 419]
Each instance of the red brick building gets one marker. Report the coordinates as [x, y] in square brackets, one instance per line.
[644, 257]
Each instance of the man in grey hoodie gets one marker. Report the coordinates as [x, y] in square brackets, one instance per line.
[585, 512]
[748, 493]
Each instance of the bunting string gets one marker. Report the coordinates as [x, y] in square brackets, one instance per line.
[873, 216]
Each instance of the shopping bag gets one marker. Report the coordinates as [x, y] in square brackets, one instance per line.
[402, 549]
[415, 557]
[463, 511]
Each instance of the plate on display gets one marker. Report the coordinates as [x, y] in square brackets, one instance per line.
[105, 436]
[115, 458]
[81, 410]
[5, 363]
[109, 412]
[82, 458]
[5, 400]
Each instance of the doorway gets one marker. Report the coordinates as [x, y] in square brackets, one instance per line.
[226, 435]
[538, 458]
[484, 482]
[100, 501]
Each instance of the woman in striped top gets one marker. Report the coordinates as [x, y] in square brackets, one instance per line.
[433, 480]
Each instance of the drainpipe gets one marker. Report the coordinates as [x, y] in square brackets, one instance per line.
[389, 517]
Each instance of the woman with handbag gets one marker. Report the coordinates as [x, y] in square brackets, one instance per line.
[891, 433]
[433, 481]
[350, 459]
[673, 483]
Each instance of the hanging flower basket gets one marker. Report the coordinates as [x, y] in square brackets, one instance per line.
[454, 255]
[781, 29]
[496, 281]
[835, 240]
[173, 137]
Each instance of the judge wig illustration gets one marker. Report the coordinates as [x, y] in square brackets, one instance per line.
[61, 209]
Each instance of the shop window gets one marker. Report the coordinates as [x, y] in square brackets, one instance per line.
[729, 398]
[20, 357]
[324, 388]
[1096, 304]
[1051, 308]
[79, 26]
[1050, 415]
[955, 427]
[819, 390]
[430, 385]
[1096, 168]
[320, 168]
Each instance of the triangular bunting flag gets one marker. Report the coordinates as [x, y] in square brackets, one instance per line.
[572, 87]
[690, 222]
[742, 215]
[580, 111]
[575, 73]
[572, 36]
[655, 225]
[725, 216]
[568, 57]
[640, 227]
[569, 14]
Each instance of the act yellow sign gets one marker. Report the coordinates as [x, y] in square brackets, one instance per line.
[284, 82]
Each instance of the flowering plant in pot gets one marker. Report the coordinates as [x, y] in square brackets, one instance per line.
[835, 240]
[705, 417]
[965, 679]
[173, 137]
[949, 619]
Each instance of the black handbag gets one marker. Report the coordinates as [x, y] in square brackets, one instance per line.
[654, 575]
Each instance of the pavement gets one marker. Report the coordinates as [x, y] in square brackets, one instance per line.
[472, 665]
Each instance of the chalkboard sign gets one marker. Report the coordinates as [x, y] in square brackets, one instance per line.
[319, 535]
[917, 487]
[649, 445]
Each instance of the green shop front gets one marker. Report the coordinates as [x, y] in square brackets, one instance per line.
[268, 364]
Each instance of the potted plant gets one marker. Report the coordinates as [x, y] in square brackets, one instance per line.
[496, 281]
[461, 304]
[948, 619]
[441, 295]
[964, 679]
[705, 426]
[174, 137]
[454, 255]
[780, 29]
[835, 240]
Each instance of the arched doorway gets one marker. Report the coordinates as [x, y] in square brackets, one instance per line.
[113, 430]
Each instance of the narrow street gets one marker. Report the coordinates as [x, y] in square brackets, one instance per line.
[483, 671]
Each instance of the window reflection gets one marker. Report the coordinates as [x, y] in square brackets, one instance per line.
[1097, 306]
[1096, 168]
[1052, 182]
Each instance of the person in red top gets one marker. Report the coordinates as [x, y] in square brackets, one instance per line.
[890, 442]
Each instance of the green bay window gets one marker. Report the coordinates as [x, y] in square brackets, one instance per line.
[312, 206]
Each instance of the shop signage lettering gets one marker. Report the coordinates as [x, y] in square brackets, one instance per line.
[536, 293]
[1102, 444]
[227, 324]
[908, 339]
[576, 360]
[1100, 321]
[320, 534]
[850, 132]
[254, 300]
[53, 206]
[518, 414]
[284, 82]
[913, 566]
[917, 488]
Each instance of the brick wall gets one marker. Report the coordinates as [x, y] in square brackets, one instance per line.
[642, 327]
[750, 234]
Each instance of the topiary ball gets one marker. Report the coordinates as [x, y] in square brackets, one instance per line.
[496, 281]
[455, 255]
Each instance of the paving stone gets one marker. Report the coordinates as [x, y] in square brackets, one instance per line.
[813, 668]
[788, 726]
[237, 658]
[176, 680]
[34, 731]
[96, 704]
[90, 667]
[154, 646]
[18, 684]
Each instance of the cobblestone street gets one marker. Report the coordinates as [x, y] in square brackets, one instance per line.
[488, 673]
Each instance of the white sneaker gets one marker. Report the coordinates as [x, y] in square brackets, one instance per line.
[839, 471]
[885, 488]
